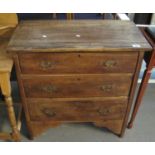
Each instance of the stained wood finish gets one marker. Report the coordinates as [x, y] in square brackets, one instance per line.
[150, 64]
[39, 127]
[113, 125]
[74, 82]
[64, 86]
[23, 98]
[132, 91]
[59, 63]
[81, 110]
[77, 35]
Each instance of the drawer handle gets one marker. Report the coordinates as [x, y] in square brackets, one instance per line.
[49, 112]
[49, 89]
[107, 88]
[46, 65]
[104, 112]
[110, 63]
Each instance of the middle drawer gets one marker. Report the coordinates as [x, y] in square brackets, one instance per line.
[66, 86]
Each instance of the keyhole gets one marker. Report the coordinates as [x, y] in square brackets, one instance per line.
[78, 79]
[79, 55]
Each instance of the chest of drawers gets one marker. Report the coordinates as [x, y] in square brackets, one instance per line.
[77, 71]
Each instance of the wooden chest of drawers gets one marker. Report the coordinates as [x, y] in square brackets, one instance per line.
[77, 71]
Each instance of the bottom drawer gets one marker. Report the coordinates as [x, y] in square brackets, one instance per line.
[80, 110]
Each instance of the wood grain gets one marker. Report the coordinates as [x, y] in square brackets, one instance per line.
[66, 86]
[61, 63]
[81, 110]
[77, 35]
[132, 91]
[88, 67]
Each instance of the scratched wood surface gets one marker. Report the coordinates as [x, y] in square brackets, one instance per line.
[87, 59]
[75, 109]
[77, 35]
[72, 63]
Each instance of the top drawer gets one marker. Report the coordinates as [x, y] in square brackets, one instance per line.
[61, 63]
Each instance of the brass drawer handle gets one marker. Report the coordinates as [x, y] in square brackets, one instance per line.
[110, 63]
[104, 112]
[49, 112]
[107, 88]
[49, 88]
[46, 65]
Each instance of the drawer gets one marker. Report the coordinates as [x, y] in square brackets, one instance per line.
[66, 86]
[59, 63]
[87, 109]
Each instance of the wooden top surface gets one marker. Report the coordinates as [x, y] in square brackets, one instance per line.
[77, 35]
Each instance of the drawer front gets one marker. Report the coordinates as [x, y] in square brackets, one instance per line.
[67, 86]
[57, 63]
[77, 110]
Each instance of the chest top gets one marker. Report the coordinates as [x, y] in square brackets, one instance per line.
[77, 35]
